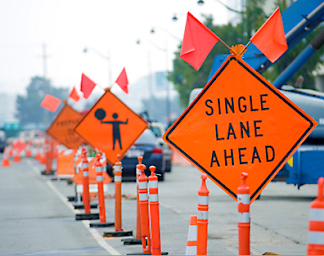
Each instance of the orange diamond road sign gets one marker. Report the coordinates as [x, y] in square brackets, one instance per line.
[111, 126]
[62, 128]
[239, 123]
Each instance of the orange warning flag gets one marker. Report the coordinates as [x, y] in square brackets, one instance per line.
[122, 81]
[87, 85]
[74, 95]
[270, 38]
[50, 102]
[198, 41]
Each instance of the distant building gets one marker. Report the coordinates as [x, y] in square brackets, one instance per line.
[7, 109]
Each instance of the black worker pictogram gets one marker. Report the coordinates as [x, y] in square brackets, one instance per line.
[100, 114]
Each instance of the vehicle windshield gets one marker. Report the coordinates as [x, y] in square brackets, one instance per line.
[147, 138]
[156, 131]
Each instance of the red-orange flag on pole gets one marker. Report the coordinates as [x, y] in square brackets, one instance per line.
[122, 81]
[270, 38]
[50, 102]
[197, 43]
[74, 95]
[87, 86]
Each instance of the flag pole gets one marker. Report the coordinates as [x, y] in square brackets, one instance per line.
[245, 48]
[229, 48]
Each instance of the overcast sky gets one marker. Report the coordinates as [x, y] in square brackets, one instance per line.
[111, 27]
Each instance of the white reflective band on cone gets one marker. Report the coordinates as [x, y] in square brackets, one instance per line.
[316, 214]
[154, 197]
[117, 178]
[243, 198]
[85, 173]
[191, 250]
[138, 171]
[143, 197]
[202, 215]
[244, 217]
[142, 185]
[203, 200]
[99, 178]
[85, 165]
[192, 235]
[117, 168]
[99, 169]
[153, 184]
[316, 237]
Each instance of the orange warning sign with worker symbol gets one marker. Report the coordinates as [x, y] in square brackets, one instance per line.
[111, 127]
[62, 128]
[239, 123]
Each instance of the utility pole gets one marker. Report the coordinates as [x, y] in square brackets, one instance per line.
[44, 61]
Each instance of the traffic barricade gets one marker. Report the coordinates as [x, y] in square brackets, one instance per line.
[191, 248]
[243, 200]
[119, 231]
[316, 223]
[202, 218]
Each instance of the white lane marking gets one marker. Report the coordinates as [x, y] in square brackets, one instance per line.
[86, 223]
[171, 208]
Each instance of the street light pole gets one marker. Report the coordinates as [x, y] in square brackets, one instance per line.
[166, 80]
[108, 58]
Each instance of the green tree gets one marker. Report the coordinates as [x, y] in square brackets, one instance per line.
[29, 110]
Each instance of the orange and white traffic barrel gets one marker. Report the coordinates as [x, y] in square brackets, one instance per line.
[202, 218]
[316, 223]
[144, 209]
[138, 213]
[243, 200]
[101, 196]
[85, 182]
[191, 248]
[118, 194]
[154, 212]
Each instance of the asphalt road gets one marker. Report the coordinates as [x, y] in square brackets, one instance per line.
[37, 219]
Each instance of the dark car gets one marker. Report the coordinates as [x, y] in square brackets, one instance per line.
[2, 140]
[147, 146]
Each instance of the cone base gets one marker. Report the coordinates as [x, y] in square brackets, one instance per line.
[81, 206]
[51, 172]
[87, 216]
[130, 241]
[118, 233]
[140, 253]
[102, 225]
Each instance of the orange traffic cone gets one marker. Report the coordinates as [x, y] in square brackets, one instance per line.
[5, 161]
[28, 150]
[37, 156]
[191, 248]
[316, 223]
[16, 156]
